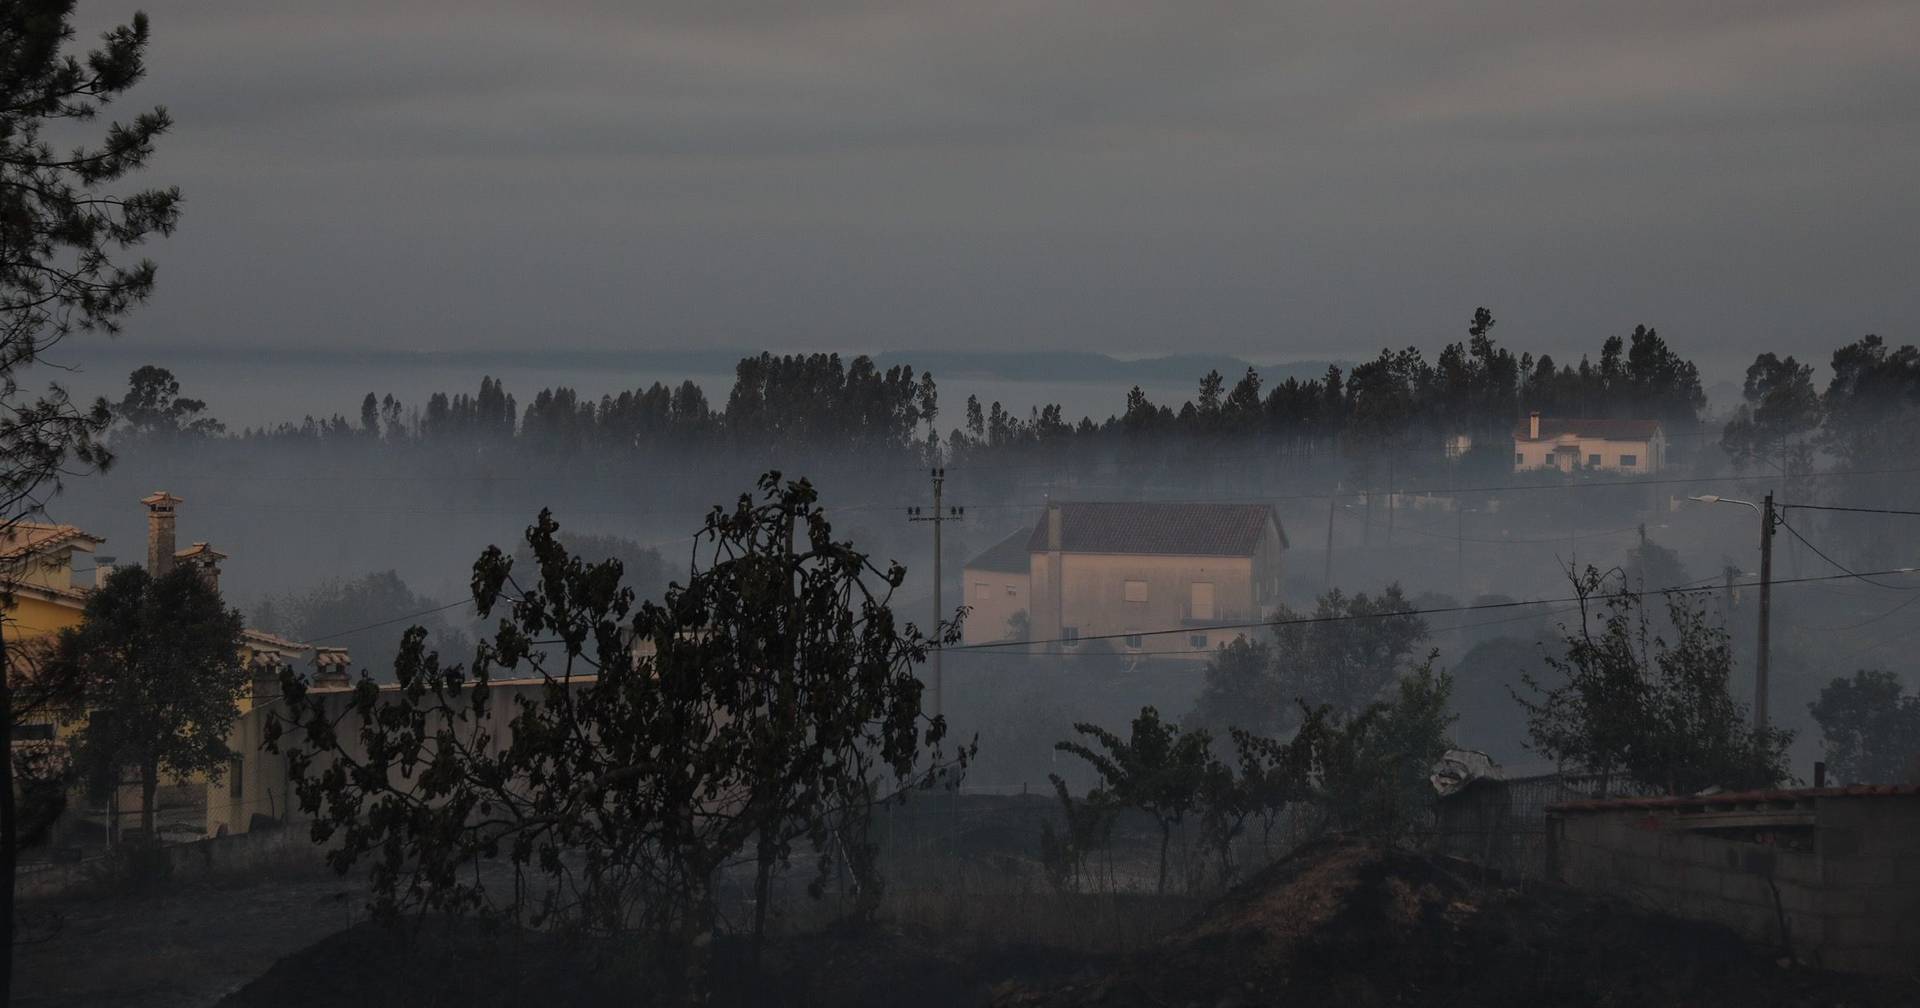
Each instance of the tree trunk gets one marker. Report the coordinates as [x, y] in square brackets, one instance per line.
[1166, 837]
[693, 946]
[762, 886]
[8, 827]
[149, 784]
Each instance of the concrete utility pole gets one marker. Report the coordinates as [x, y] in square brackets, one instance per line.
[1326, 575]
[938, 517]
[1390, 458]
[1769, 517]
[1767, 520]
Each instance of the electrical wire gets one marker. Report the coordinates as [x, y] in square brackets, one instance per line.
[1782, 522]
[1352, 617]
[1855, 510]
[1865, 622]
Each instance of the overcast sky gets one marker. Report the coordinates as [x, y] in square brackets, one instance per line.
[1277, 180]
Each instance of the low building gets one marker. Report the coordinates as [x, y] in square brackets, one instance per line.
[1830, 876]
[998, 583]
[1572, 445]
[1128, 573]
[46, 593]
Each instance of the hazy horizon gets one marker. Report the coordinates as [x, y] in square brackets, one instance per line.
[1269, 181]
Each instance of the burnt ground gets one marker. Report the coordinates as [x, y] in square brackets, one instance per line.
[183, 946]
[1336, 924]
[440, 962]
[1352, 925]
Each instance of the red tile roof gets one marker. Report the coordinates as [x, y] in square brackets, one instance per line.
[1604, 430]
[1173, 528]
[1740, 798]
[27, 538]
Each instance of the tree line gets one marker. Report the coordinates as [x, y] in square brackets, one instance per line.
[1473, 387]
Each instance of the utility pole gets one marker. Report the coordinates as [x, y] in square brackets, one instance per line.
[1390, 458]
[939, 517]
[1726, 600]
[1767, 520]
[1459, 549]
[1333, 502]
[1769, 517]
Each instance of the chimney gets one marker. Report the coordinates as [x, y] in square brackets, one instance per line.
[330, 667]
[102, 569]
[206, 560]
[160, 505]
[1533, 426]
[265, 685]
[1053, 525]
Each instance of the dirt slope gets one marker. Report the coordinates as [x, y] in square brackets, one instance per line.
[1353, 925]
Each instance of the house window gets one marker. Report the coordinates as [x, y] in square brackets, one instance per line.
[1593, 461]
[1519, 458]
[1013, 590]
[1629, 461]
[1198, 640]
[237, 773]
[1203, 600]
[1070, 635]
[981, 592]
[1136, 591]
[1133, 641]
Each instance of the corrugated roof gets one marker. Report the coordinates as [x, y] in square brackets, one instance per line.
[1177, 528]
[1009, 555]
[1605, 430]
[1738, 798]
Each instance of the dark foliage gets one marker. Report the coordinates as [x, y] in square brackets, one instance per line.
[761, 704]
[1869, 729]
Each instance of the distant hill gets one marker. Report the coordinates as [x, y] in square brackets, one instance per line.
[1084, 366]
[1040, 366]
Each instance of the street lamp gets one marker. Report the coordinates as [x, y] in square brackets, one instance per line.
[1767, 520]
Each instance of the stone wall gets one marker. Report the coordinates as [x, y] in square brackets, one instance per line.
[1832, 881]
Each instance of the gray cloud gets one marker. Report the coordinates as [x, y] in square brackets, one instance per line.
[1271, 179]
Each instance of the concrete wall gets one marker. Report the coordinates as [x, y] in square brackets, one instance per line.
[994, 597]
[212, 858]
[1648, 455]
[1087, 592]
[1842, 892]
[258, 783]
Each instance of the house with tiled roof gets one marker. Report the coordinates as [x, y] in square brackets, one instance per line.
[1574, 444]
[1148, 577]
[43, 591]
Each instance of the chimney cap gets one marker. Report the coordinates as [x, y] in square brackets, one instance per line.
[159, 497]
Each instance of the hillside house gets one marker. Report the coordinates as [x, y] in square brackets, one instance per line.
[48, 593]
[1124, 571]
[1570, 445]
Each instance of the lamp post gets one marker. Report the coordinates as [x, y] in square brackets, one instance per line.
[1767, 520]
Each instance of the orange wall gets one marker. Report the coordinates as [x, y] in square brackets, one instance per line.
[1092, 597]
[993, 596]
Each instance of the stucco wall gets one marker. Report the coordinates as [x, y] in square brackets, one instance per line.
[1540, 454]
[1005, 593]
[1848, 900]
[1093, 590]
[264, 787]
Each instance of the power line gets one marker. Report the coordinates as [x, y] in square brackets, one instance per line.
[1782, 522]
[1865, 622]
[1410, 612]
[387, 622]
[1856, 510]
